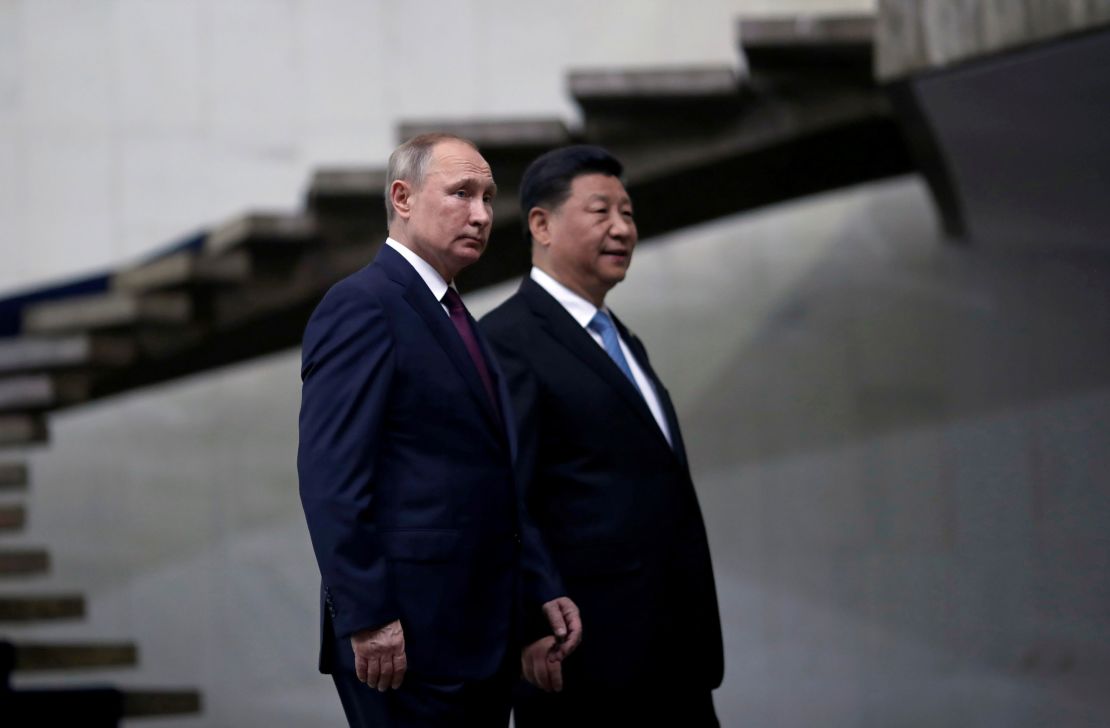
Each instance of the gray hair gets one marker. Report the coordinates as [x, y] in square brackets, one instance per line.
[409, 163]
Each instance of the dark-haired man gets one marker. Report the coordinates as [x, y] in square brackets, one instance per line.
[607, 481]
[406, 468]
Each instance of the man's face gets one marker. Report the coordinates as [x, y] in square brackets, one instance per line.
[452, 209]
[592, 235]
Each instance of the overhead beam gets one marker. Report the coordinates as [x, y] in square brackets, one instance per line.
[916, 36]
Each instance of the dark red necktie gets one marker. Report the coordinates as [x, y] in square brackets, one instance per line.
[459, 317]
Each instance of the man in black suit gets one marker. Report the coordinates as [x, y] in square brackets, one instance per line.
[406, 469]
[605, 471]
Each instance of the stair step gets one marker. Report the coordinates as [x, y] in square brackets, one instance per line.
[629, 105]
[44, 657]
[13, 476]
[22, 429]
[94, 707]
[654, 85]
[263, 234]
[41, 608]
[13, 517]
[29, 353]
[357, 182]
[24, 562]
[185, 269]
[813, 44]
[107, 311]
[42, 391]
[160, 702]
[349, 206]
[495, 134]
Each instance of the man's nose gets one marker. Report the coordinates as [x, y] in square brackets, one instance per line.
[481, 212]
[621, 227]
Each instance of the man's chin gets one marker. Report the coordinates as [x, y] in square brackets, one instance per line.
[614, 274]
[468, 254]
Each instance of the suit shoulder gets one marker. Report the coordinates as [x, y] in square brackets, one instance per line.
[504, 322]
[362, 289]
[358, 302]
[369, 280]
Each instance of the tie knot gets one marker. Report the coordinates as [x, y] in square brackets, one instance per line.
[453, 301]
[601, 323]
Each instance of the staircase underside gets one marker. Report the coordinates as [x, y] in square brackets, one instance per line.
[698, 143]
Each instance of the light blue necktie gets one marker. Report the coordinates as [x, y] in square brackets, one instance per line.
[603, 326]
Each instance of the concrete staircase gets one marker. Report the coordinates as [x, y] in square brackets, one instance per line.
[698, 143]
[92, 705]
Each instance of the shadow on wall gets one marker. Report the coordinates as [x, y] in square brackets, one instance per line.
[893, 330]
[899, 450]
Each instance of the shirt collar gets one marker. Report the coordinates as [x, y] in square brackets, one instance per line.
[579, 308]
[424, 269]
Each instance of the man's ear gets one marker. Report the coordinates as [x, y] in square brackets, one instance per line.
[400, 196]
[539, 223]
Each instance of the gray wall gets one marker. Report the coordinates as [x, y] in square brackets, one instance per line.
[898, 445]
[900, 448]
[126, 124]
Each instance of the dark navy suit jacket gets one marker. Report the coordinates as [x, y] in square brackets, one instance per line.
[406, 479]
[614, 502]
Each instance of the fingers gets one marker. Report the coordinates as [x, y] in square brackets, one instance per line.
[385, 674]
[573, 620]
[563, 616]
[540, 667]
[373, 671]
[360, 667]
[391, 669]
[380, 659]
[400, 664]
[554, 674]
[526, 667]
[554, 614]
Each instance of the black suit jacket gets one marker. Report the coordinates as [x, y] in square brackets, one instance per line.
[614, 502]
[406, 478]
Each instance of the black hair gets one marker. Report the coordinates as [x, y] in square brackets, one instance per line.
[546, 182]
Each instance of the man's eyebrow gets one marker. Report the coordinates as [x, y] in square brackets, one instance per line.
[602, 197]
[479, 182]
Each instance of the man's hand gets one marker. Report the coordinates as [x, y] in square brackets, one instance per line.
[562, 615]
[380, 660]
[542, 666]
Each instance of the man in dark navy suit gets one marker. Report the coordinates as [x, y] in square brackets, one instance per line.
[406, 469]
[604, 467]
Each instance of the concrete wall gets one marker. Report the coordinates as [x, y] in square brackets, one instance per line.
[898, 445]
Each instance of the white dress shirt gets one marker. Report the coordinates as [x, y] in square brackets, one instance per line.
[424, 269]
[582, 311]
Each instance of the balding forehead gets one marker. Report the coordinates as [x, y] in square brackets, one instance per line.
[461, 162]
[462, 154]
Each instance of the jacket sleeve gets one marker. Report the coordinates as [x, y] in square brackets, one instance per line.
[347, 366]
[540, 578]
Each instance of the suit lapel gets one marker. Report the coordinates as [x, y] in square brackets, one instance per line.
[418, 296]
[503, 397]
[640, 353]
[565, 330]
